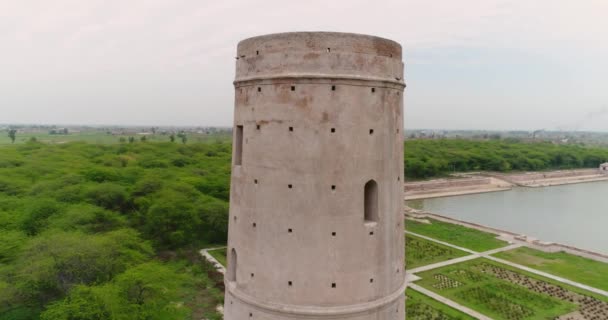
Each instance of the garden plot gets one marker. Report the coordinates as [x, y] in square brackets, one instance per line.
[421, 252]
[579, 269]
[501, 292]
[422, 307]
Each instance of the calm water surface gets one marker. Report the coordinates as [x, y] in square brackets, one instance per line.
[574, 214]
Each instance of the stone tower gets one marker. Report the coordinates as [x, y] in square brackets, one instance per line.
[316, 200]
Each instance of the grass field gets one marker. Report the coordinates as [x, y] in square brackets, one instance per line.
[457, 235]
[579, 269]
[422, 307]
[421, 252]
[219, 255]
[502, 292]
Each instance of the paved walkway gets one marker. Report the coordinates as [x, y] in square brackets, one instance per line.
[410, 274]
[205, 253]
[488, 255]
[550, 276]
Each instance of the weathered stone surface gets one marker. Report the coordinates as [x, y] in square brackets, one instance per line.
[318, 115]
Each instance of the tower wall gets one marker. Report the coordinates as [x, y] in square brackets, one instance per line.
[316, 224]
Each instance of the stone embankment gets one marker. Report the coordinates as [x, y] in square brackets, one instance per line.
[420, 215]
[552, 178]
[452, 187]
[490, 181]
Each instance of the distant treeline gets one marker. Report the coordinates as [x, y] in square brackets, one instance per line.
[432, 158]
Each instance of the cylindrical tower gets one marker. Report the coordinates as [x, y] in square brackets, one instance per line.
[316, 200]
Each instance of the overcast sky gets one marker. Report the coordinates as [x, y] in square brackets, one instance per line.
[469, 64]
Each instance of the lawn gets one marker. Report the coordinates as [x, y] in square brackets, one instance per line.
[456, 234]
[219, 255]
[579, 269]
[421, 252]
[421, 307]
[503, 292]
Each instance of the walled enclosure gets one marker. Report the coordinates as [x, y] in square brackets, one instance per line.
[316, 205]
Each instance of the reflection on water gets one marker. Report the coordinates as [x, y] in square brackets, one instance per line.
[575, 214]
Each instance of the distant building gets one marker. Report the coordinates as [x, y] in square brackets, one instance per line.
[604, 168]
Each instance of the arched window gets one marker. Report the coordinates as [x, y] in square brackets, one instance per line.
[370, 207]
[232, 265]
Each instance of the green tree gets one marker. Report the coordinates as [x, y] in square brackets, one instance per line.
[108, 195]
[50, 265]
[148, 291]
[12, 134]
[172, 220]
[37, 213]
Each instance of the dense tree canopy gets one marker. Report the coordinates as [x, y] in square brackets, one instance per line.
[83, 228]
[430, 158]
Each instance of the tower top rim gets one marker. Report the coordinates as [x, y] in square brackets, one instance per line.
[323, 40]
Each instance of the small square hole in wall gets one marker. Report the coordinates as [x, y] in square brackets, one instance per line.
[257, 52]
[252, 275]
[293, 88]
[290, 230]
[371, 280]
[255, 181]
[397, 270]
[371, 131]
[289, 283]
[333, 130]
[333, 285]
[254, 225]
[371, 233]
[333, 187]
[328, 49]
[333, 234]
[333, 88]
[259, 89]
[398, 178]
[291, 129]
[257, 126]
[373, 90]
[289, 186]
[234, 218]
[250, 314]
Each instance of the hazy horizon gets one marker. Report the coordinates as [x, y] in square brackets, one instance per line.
[469, 65]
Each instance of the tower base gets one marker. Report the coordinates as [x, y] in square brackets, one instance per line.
[239, 306]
